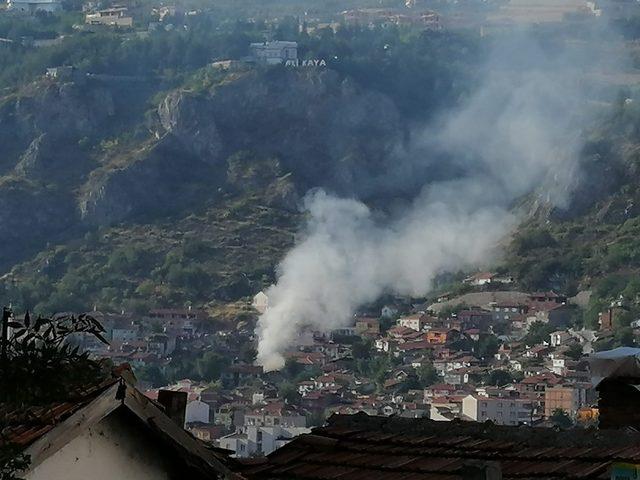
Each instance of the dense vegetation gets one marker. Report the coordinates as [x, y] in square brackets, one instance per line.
[224, 242]
[220, 246]
[39, 365]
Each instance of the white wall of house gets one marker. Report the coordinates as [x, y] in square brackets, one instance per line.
[503, 411]
[414, 323]
[239, 443]
[197, 411]
[106, 451]
[260, 302]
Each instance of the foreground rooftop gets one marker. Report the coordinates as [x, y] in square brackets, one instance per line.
[370, 448]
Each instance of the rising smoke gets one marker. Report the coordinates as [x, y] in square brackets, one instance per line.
[520, 131]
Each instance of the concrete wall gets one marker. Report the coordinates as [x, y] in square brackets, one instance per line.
[197, 411]
[112, 449]
[503, 411]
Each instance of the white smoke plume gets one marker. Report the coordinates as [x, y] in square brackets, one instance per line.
[519, 131]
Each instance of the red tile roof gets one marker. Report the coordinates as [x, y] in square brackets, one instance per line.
[359, 447]
[23, 426]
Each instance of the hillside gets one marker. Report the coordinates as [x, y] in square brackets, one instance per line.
[197, 209]
[127, 193]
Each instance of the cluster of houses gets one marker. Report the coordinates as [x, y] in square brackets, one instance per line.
[379, 16]
[541, 377]
[473, 363]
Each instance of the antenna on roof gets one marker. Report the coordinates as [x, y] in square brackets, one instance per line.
[4, 337]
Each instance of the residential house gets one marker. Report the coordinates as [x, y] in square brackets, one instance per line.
[441, 336]
[475, 318]
[607, 318]
[508, 312]
[417, 321]
[197, 411]
[480, 279]
[559, 338]
[260, 440]
[275, 414]
[166, 314]
[63, 73]
[230, 415]
[240, 373]
[438, 390]
[114, 431]
[365, 325]
[458, 376]
[124, 330]
[546, 298]
[206, 432]
[260, 302]
[502, 411]
[568, 398]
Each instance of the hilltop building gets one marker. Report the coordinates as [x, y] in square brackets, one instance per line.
[274, 53]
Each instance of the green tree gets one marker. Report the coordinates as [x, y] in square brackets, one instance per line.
[289, 393]
[153, 375]
[13, 461]
[361, 349]
[487, 346]
[499, 378]
[623, 337]
[427, 375]
[538, 332]
[292, 368]
[40, 365]
[210, 365]
[560, 418]
[574, 352]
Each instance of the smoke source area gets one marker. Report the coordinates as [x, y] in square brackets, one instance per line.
[520, 130]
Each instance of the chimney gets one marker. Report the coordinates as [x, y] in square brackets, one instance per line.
[175, 405]
[618, 400]
[616, 374]
[481, 470]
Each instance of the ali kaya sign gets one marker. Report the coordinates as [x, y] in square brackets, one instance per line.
[306, 63]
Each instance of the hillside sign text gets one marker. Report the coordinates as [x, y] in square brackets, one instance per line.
[306, 63]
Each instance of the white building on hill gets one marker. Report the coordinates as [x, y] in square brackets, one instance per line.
[273, 53]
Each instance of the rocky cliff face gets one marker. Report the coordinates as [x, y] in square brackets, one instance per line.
[323, 129]
[31, 217]
[271, 134]
[42, 161]
[65, 111]
[160, 180]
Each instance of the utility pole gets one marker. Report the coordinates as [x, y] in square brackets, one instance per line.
[4, 337]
